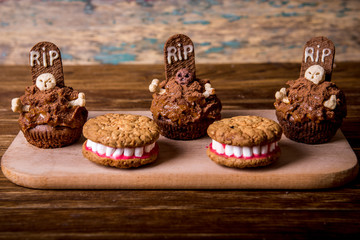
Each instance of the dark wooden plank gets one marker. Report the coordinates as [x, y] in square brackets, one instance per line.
[19, 198]
[184, 222]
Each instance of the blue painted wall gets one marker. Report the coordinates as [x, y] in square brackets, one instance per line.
[224, 31]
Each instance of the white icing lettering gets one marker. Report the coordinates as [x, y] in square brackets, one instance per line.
[187, 49]
[171, 52]
[34, 56]
[44, 57]
[309, 52]
[177, 54]
[53, 55]
[325, 52]
[317, 55]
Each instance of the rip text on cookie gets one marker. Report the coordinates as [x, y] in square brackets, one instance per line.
[310, 52]
[35, 57]
[177, 53]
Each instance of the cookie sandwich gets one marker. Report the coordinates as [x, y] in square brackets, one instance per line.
[311, 109]
[121, 140]
[244, 141]
[51, 114]
[183, 105]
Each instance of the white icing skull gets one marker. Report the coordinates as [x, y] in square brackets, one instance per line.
[45, 81]
[315, 74]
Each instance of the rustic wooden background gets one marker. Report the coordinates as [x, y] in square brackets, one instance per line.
[270, 34]
[224, 31]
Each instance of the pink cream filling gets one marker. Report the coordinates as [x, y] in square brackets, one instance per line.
[268, 154]
[155, 150]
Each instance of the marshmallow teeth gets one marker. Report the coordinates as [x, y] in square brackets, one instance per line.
[118, 152]
[245, 152]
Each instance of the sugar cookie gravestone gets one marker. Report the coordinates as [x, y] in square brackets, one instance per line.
[179, 53]
[318, 51]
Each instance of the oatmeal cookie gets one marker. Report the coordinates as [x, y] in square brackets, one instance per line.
[121, 140]
[244, 141]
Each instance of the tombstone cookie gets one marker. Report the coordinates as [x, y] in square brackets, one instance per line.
[318, 51]
[312, 108]
[51, 114]
[183, 105]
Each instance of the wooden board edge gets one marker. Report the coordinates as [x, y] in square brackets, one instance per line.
[325, 181]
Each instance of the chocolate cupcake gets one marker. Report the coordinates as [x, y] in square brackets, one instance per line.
[183, 106]
[312, 108]
[51, 114]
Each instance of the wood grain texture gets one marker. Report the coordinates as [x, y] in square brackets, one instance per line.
[135, 31]
[140, 214]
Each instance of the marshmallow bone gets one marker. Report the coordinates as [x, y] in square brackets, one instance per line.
[80, 101]
[331, 102]
[16, 106]
[154, 87]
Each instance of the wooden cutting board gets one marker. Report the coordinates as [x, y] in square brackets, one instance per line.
[183, 165]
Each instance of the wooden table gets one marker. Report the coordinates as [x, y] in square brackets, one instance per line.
[158, 214]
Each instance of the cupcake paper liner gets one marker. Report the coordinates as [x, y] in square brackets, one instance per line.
[185, 132]
[52, 137]
[309, 132]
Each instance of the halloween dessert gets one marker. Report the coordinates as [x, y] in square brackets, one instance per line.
[121, 140]
[312, 108]
[244, 141]
[183, 106]
[51, 114]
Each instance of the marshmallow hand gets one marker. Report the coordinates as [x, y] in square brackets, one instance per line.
[281, 95]
[331, 102]
[208, 90]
